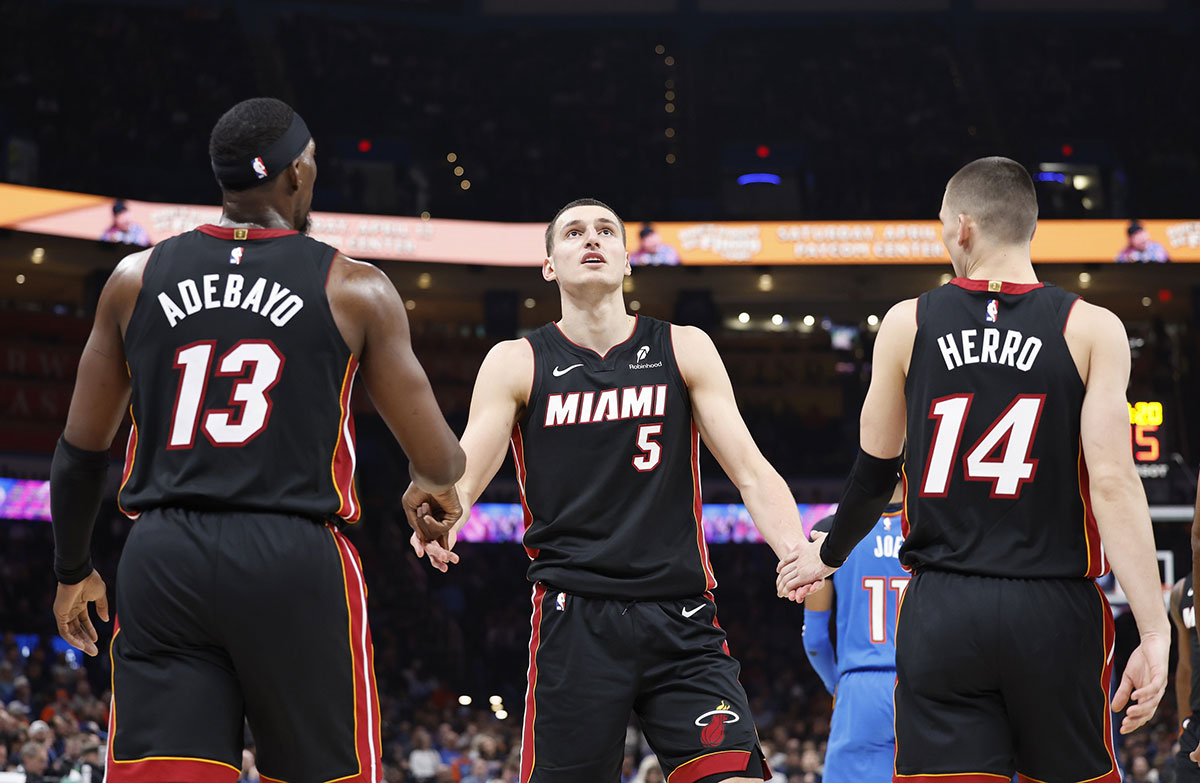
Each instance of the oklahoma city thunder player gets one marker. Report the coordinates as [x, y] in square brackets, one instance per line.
[862, 670]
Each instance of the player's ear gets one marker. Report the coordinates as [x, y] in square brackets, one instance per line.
[293, 174]
[966, 229]
[548, 270]
[628, 266]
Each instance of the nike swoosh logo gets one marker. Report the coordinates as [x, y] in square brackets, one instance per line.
[690, 612]
[558, 372]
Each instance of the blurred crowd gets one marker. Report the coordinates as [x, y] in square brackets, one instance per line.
[440, 638]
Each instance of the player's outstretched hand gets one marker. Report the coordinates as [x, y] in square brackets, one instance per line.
[1144, 681]
[802, 572]
[71, 612]
[431, 516]
[440, 551]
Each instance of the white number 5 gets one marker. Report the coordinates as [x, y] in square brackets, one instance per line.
[651, 450]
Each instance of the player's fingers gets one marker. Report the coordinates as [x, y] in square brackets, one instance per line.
[102, 605]
[432, 529]
[1130, 725]
[417, 544]
[85, 623]
[1121, 697]
[411, 515]
[1156, 686]
[71, 632]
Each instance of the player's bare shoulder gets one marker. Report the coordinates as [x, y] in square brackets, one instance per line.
[123, 286]
[508, 369]
[1093, 332]
[896, 335]
[351, 279]
[695, 352]
[362, 298]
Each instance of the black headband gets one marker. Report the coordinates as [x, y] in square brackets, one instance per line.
[272, 160]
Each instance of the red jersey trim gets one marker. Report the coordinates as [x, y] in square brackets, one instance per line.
[1070, 310]
[626, 341]
[1097, 563]
[528, 748]
[985, 285]
[152, 769]
[951, 777]
[130, 458]
[518, 450]
[711, 764]
[230, 232]
[710, 581]
[345, 457]
[367, 730]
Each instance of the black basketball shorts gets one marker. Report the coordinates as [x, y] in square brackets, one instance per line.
[1000, 676]
[224, 617]
[594, 660]
[1186, 770]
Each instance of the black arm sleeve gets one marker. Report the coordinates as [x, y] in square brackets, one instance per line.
[868, 489]
[76, 488]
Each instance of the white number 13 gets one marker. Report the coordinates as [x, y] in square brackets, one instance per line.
[249, 402]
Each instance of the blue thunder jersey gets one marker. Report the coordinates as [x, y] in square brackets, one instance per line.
[868, 588]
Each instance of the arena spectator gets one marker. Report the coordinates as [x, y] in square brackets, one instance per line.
[123, 230]
[1141, 247]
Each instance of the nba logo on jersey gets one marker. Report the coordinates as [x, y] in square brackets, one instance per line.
[260, 168]
[560, 603]
[993, 311]
[235, 255]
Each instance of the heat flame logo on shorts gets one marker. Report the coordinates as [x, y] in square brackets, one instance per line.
[712, 732]
[260, 168]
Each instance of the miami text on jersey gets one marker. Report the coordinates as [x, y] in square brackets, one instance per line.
[972, 347]
[630, 402]
[279, 305]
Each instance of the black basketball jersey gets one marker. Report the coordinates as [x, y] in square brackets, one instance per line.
[1187, 609]
[241, 380]
[995, 479]
[607, 458]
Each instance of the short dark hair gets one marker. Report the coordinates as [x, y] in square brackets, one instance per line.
[1134, 227]
[579, 202]
[247, 129]
[998, 193]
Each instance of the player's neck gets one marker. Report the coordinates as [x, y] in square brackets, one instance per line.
[1006, 264]
[252, 211]
[597, 325]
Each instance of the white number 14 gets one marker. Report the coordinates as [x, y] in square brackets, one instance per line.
[1014, 429]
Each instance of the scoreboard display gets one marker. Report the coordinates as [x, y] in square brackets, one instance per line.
[1150, 438]
[1145, 418]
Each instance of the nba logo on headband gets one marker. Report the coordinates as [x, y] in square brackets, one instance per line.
[260, 168]
[993, 311]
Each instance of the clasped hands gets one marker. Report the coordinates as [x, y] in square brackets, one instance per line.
[433, 518]
[802, 572]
